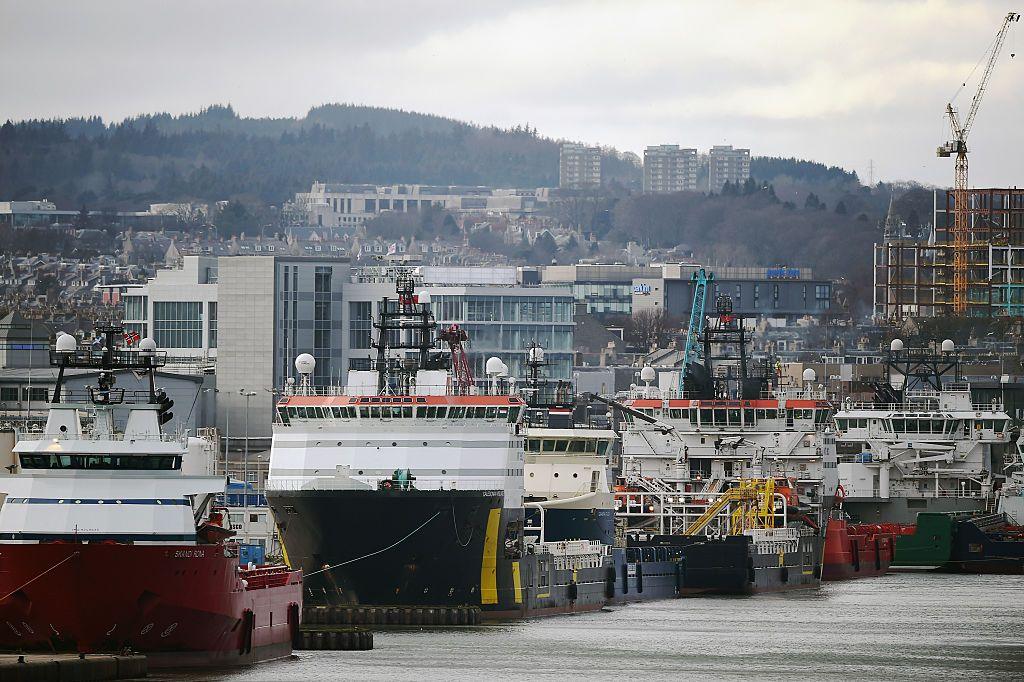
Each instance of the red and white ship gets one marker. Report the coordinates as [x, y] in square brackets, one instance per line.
[108, 541]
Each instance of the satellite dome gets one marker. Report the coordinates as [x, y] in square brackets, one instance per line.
[896, 346]
[494, 366]
[147, 344]
[810, 374]
[305, 363]
[66, 343]
[948, 346]
[423, 296]
[536, 354]
[647, 374]
[291, 381]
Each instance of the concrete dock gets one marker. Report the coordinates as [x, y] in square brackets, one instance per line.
[70, 668]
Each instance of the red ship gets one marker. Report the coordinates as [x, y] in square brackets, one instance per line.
[108, 543]
[856, 550]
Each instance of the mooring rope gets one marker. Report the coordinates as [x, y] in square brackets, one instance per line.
[367, 556]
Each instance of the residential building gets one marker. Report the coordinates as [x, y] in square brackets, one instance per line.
[726, 164]
[348, 205]
[579, 166]
[667, 169]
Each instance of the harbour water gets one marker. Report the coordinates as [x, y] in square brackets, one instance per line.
[898, 626]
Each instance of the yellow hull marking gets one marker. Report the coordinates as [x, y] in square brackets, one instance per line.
[489, 565]
[517, 583]
[284, 550]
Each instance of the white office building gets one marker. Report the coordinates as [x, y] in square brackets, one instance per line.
[349, 205]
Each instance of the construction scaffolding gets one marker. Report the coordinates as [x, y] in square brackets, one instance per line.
[915, 278]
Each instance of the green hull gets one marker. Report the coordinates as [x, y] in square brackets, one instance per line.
[930, 546]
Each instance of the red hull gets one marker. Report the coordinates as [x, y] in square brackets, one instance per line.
[855, 551]
[179, 604]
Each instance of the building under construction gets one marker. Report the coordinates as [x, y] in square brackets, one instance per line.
[913, 274]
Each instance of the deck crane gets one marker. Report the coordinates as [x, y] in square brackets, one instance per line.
[958, 147]
[700, 280]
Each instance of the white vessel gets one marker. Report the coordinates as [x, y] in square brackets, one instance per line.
[922, 445]
[406, 485]
[107, 536]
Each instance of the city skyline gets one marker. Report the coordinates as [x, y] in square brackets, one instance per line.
[767, 77]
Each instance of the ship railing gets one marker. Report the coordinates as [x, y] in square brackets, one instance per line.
[373, 483]
[931, 494]
[97, 396]
[672, 511]
[481, 387]
[118, 437]
[907, 406]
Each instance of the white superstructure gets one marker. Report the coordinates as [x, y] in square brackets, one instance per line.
[136, 485]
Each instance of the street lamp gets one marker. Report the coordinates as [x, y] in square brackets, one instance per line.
[245, 460]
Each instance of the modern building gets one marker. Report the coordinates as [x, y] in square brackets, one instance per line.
[349, 205]
[914, 277]
[253, 315]
[579, 166]
[178, 310]
[780, 293]
[605, 290]
[667, 169]
[44, 213]
[501, 317]
[726, 164]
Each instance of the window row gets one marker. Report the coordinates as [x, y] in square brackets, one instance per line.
[510, 414]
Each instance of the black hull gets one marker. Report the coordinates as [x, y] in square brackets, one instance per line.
[732, 565]
[429, 548]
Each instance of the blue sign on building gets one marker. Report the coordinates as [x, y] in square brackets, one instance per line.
[783, 273]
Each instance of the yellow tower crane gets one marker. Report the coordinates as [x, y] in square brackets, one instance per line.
[958, 146]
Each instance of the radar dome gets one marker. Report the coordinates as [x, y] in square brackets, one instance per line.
[647, 374]
[66, 343]
[147, 344]
[948, 346]
[494, 366]
[810, 374]
[305, 363]
[423, 296]
[291, 381]
[896, 346]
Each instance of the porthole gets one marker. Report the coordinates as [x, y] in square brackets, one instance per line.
[531, 474]
[394, 444]
[556, 474]
[575, 475]
[444, 471]
[425, 443]
[360, 472]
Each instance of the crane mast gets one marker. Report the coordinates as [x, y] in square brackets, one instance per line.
[958, 146]
[692, 349]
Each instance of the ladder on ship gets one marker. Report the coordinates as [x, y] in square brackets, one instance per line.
[753, 507]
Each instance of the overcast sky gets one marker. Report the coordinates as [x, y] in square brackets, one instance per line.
[838, 82]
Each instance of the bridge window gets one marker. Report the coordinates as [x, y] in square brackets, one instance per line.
[122, 462]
